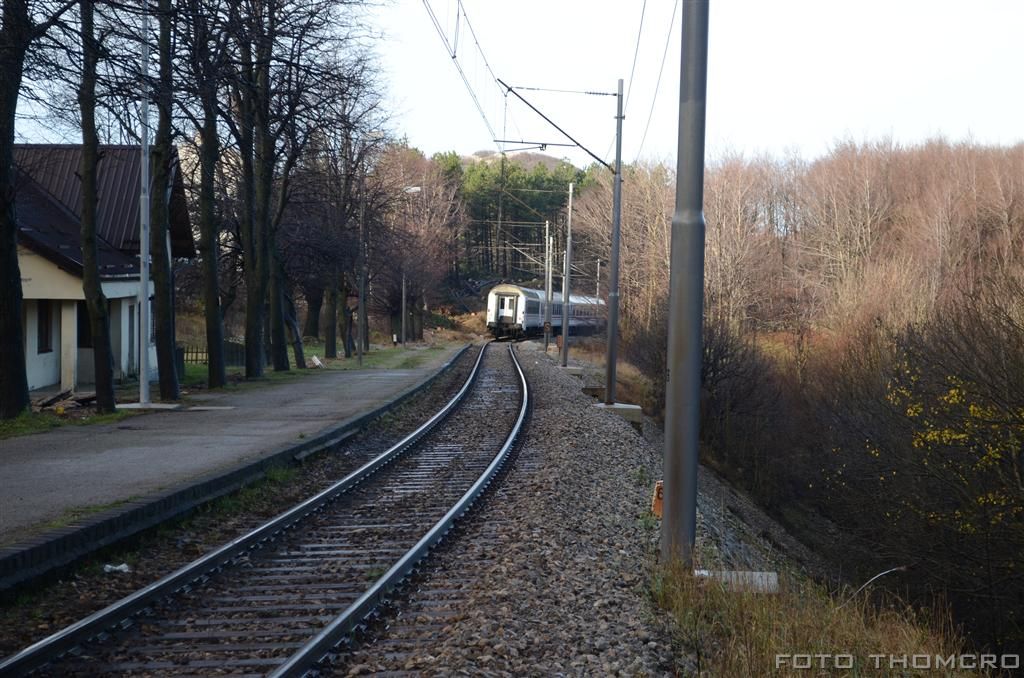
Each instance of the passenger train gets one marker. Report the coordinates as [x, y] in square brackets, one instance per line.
[517, 312]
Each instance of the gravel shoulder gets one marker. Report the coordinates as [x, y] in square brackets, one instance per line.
[552, 574]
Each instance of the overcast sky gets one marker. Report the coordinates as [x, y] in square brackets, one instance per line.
[784, 76]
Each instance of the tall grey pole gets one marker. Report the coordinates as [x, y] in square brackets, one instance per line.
[144, 199]
[686, 297]
[361, 310]
[403, 309]
[547, 286]
[613, 263]
[597, 280]
[566, 286]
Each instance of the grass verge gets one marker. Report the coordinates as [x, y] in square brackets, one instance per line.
[36, 422]
[732, 633]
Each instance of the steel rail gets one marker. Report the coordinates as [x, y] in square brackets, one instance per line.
[307, 657]
[51, 647]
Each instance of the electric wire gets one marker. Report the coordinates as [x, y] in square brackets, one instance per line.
[566, 91]
[636, 51]
[657, 86]
[458, 66]
[632, 70]
[555, 125]
[476, 42]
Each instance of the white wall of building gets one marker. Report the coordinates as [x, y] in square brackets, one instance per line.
[69, 365]
[43, 368]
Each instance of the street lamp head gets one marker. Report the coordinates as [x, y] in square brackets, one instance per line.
[411, 189]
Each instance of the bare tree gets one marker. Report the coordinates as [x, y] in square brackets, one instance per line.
[205, 42]
[24, 23]
[160, 213]
[96, 302]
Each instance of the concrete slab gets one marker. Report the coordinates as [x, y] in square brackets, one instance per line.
[148, 406]
[742, 581]
[631, 413]
[572, 369]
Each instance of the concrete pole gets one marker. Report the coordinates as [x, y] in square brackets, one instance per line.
[403, 309]
[686, 297]
[597, 280]
[613, 263]
[547, 286]
[144, 219]
[361, 310]
[566, 286]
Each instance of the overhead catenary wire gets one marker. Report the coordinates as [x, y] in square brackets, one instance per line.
[632, 70]
[657, 86]
[565, 91]
[554, 124]
[455, 60]
[636, 51]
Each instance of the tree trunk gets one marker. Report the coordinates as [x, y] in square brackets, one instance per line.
[331, 322]
[253, 245]
[291, 320]
[163, 305]
[348, 325]
[267, 284]
[346, 318]
[417, 321]
[208, 246]
[14, 40]
[99, 319]
[278, 342]
[314, 303]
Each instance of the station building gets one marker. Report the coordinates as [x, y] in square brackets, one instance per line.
[48, 203]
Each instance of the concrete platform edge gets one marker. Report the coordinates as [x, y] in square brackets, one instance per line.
[51, 551]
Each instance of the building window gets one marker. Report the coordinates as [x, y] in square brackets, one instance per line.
[44, 326]
[84, 330]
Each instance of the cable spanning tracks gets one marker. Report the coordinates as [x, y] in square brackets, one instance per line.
[278, 600]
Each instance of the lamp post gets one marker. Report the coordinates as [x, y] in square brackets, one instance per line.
[144, 199]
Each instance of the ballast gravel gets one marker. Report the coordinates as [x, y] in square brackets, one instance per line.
[551, 575]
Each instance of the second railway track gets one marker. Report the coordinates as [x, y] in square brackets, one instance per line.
[276, 601]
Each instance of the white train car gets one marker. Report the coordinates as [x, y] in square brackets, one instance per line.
[516, 312]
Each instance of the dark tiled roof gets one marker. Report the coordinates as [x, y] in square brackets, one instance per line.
[55, 167]
[48, 228]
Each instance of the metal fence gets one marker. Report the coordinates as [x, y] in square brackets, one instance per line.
[234, 354]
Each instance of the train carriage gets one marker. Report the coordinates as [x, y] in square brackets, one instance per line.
[517, 312]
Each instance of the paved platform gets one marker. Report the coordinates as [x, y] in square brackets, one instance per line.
[45, 476]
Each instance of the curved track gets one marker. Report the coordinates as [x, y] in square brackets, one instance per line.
[278, 600]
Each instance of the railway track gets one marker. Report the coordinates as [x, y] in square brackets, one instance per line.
[278, 600]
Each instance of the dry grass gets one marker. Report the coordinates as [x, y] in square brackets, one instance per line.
[631, 385]
[749, 634]
[472, 323]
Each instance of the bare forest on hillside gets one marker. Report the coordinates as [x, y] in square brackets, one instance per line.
[864, 346]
